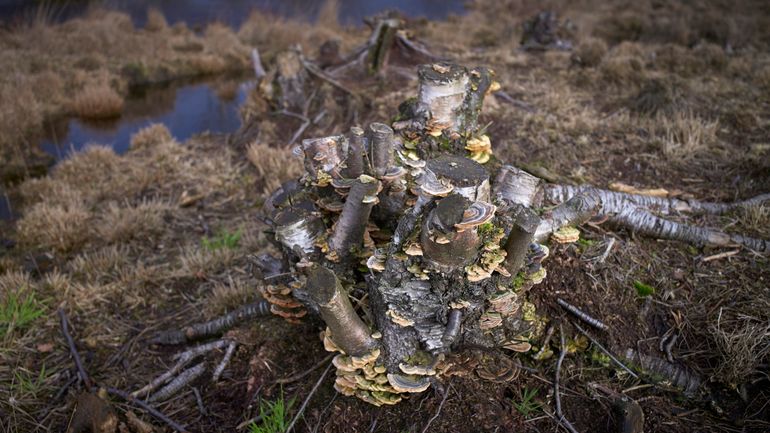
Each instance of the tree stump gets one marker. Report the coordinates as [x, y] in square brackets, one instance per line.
[413, 220]
[438, 242]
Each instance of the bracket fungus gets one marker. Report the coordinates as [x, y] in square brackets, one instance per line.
[442, 240]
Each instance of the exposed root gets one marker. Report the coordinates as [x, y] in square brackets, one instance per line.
[635, 212]
[214, 327]
[647, 224]
[575, 211]
[614, 202]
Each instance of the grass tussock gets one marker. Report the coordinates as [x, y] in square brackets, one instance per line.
[98, 102]
[59, 227]
[743, 343]
[150, 136]
[99, 265]
[156, 22]
[684, 135]
[119, 224]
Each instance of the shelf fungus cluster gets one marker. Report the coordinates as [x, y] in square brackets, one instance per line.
[411, 242]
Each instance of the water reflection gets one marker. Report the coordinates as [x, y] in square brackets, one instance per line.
[234, 12]
[185, 110]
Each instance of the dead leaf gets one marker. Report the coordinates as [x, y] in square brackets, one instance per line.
[45, 347]
[94, 415]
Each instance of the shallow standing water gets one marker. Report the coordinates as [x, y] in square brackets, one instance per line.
[186, 109]
[232, 12]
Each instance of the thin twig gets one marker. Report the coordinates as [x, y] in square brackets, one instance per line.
[515, 102]
[307, 399]
[225, 360]
[438, 411]
[720, 255]
[151, 410]
[199, 400]
[323, 412]
[298, 376]
[557, 394]
[546, 341]
[606, 252]
[605, 351]
[582, 315]
[73, 350]
[313, 69]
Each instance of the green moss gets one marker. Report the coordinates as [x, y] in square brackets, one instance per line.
[643, 290]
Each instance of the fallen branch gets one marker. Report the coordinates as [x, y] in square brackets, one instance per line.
[225, 360]
[557, 392]
[723, 255]
[582, 315]
[178, 383]
[214, 327]
[151, 410]
[74, 351]
[314, 70]
[183, 358]
[307, 399]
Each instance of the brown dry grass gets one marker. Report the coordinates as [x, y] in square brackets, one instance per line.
[274, 165]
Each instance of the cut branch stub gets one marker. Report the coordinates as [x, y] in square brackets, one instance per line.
[469, 178]
[443, 88]
[285, 85]
[516, 186]
[442, 245]
[481, 81]
[348, 330]
[521, 236]
[381, 148]
[298, 228]
[380, 43]
[354, 162]
[325, 155]
[349, 232]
